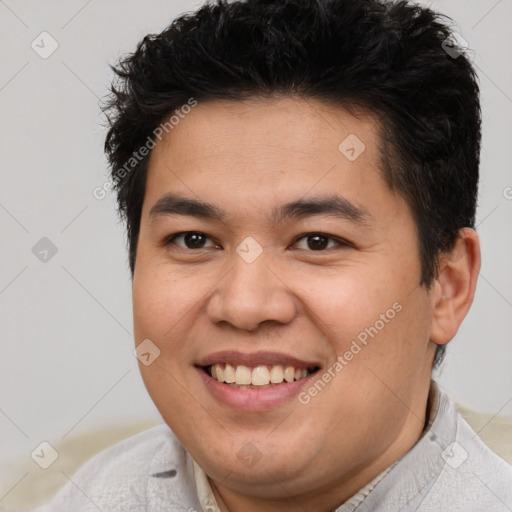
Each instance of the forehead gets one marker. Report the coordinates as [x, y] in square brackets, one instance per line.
[293, 126]
[263, 152]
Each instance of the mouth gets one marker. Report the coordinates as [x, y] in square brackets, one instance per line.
[255, 382]
[258, 377]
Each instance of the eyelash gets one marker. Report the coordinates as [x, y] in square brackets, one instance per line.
[340, 242]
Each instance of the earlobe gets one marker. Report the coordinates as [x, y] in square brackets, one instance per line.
[454, 288]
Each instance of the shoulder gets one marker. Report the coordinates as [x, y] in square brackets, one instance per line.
[141, 473]
[490, 470]
[137, 451]
[472, 478]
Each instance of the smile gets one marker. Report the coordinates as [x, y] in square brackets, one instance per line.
[245, 377]
[254, 382]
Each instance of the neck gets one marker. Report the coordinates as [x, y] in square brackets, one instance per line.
[337, 491]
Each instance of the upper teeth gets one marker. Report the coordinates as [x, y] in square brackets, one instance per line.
[258, 376]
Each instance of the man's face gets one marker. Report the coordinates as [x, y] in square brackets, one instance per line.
[329, 283]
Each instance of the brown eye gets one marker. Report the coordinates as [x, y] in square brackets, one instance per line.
[319, 242]
[191, 240]
[194, 240]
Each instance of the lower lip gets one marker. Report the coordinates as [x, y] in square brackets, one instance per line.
[253, 399]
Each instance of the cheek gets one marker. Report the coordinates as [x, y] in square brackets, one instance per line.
[344, 302]
[160, 302]
[373, 321]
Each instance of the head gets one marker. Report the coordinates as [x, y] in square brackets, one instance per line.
[299, 183]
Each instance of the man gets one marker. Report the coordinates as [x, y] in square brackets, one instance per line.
[299, 182]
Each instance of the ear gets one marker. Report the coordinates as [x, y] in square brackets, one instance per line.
[454, 288]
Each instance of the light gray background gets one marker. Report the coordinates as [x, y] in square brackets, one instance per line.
[66, 362]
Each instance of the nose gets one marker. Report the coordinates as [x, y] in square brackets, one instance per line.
[251, 294]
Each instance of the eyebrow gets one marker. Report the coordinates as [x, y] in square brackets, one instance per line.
[332, 205]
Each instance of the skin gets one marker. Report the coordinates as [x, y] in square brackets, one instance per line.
[248, 158]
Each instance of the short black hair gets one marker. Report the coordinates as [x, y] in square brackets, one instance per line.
[388, 58]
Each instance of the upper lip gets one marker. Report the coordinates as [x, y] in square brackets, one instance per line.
[235, 358]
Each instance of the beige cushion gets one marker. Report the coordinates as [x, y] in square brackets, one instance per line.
[40, 485]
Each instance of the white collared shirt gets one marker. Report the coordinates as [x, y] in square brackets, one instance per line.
[448, 469]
